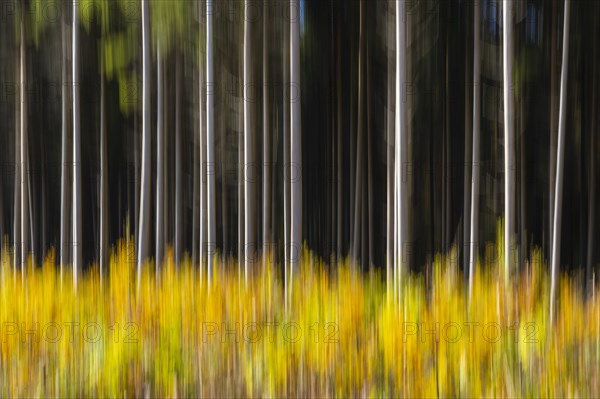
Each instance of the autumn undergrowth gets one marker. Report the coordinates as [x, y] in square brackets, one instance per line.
[336, 332]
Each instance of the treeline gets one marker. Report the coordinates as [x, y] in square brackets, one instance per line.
[387, 131]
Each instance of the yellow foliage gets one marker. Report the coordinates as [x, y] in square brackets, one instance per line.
[338, 334]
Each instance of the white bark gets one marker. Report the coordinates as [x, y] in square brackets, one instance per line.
[249, 189]
[475, 164]
[144, 211]
[358, 197]
[296, 139]
[17, 212]
[103, 258]
[286, 151]
[389, 252]
[160, 162]
[24, 167]
[266, 137]
[178, 168]
[77, 232]
[64, 155]
[210, 150]
[562, 122]
[202, 138]
[509, 164]
[401, 234]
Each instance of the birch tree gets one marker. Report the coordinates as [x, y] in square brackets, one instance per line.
[104, 226]
[249, 193]
[77, 228]
[17, 205]
[144, 208]
[24, 167]
[286, 147]
[360, 133]
[178, 166]
[509, 171]
[160, 161]
[210, 126]
[64, 151]
[296, 138]
[400, 221]
[266, 136]
[562, 122]
[474, 230]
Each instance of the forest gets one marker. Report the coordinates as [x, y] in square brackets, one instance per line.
[307, 198]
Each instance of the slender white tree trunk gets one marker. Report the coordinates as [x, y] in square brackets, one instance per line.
[144, 212]
[249, 178]
[296, 140]
[202, 138]
[475, 164]
[553, 122]
[178, 168]
[358, 229]
[266, 137]
[401, 244]
[389, 252]
[24, 167]
[509, 159]
[286, 151]
[103, 179]
[64, 154]
[562, 122]
[17, 212]
[210, 127]
[77, 235]
[160, 162]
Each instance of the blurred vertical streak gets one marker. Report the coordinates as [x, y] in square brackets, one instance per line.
[24, 167]
[475, 163]
[248, 167]
[210, 137]
[104, 218]
[509, 161]
[286, 142]
[296, 138]
[144, 211]
[178, 163]
[562, 122]
[160, 161]
[266, 167]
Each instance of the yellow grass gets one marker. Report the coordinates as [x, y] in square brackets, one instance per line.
[339, 335]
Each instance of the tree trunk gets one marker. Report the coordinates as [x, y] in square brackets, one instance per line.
[267, 228]
[178, 165]
[144, 211]
[286, 149]
[340, 116]
[360, 133]
[249, 178]
[24, 169]
[296, 138]
[104, 227]
[160, 161]
[401, 151]
[202, 137]
[210, 149]
[17, 211]
[63, 258]
[562, 122]
[370, 260]
[509, 164]
[389, 252]
[474, 230]
[553, 121]
[468, 155]
[178, 169]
